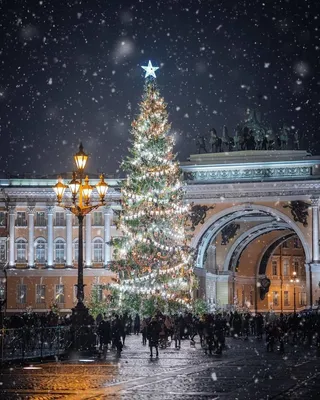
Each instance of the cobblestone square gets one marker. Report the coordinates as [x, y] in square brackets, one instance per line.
[244, 371]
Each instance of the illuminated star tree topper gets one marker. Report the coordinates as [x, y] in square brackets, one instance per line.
[150, 70]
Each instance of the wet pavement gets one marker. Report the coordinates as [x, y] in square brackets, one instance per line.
[244, 371]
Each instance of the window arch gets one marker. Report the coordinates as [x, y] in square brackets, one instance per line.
[97, 250]
[60, 251]
[21, 246]
[40, 248]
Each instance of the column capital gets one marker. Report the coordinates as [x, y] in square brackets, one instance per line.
[68, 212]
[108, 210]
[50, 209]
[12, 210]
[30, 210]
[315, 202]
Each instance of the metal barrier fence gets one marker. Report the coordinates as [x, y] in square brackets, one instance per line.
[34, 342]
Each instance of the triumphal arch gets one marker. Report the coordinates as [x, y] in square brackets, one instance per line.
[255, 228]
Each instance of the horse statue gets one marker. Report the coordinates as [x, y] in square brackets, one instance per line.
[215, 142]
[227, 141]
[201, 144]
[284, 137]
[258, 138]
[296, 140]
[269, 140]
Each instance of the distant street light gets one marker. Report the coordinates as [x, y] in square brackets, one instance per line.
[294, 280]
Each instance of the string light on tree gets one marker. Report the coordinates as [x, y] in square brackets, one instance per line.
[152, 258]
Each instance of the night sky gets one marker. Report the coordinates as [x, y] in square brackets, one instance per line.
[70, 71]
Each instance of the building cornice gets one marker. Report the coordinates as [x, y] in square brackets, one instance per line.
[20, 272]
[253, 191]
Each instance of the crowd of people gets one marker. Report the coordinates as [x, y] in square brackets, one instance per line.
[211, 330]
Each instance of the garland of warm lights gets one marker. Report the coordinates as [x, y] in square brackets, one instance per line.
[172, 211]
[148, 195]
[153, 274]
[167, 171]
[153, 210]
[139, 236]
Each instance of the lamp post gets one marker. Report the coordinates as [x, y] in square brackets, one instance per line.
[81, 191]
[294, 280]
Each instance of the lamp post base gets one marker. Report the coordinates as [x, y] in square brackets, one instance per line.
[82, 329]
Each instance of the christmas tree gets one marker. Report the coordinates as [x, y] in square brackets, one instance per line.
[152, 258]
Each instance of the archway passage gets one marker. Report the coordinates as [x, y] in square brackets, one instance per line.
[239, 247]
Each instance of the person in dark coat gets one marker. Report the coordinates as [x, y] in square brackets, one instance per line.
[117, 330]
[104, 332]
[153, 335]
[136, 326]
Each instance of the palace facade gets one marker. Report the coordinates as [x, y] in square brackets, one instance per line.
[254, 227]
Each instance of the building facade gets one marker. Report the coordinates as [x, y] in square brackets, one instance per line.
[254, 225]
[257, 228]
[39, 246]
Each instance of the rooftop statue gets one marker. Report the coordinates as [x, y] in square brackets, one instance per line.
[215, 142]
[201, 144]
[251, 134]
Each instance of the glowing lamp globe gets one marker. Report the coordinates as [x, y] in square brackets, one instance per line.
[74, 185]
[86, 190]
[59, 189]
[102, 188]
[81, 158]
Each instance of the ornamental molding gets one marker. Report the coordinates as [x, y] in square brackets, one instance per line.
[222, 192]
[248, 173]
[44, 195]
[59, 272]
[315, 202]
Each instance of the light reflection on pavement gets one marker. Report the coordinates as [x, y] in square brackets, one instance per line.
[244, 371]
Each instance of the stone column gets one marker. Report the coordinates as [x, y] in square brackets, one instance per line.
[69, 238]
[88, 241]
[30, 211]
[309, 288]
[108, 214]
[315, 229]
[12, 216]
[50, 210]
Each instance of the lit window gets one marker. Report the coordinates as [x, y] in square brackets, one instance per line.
[21, 219]
[21, 250]
[60, 294]
[60, 221]
[302, 298]
[286, 298]
[41, 250]
[275, 298]
[98, 293]
[2, 218]
[97, 250]
[2, 291]
[285, 267]
[3, 251]
[285, 245]
[40, 293]
[21, 294]
[97, 218]
[40, 219]
[60, 251]
[274, 267]
[296, 267]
